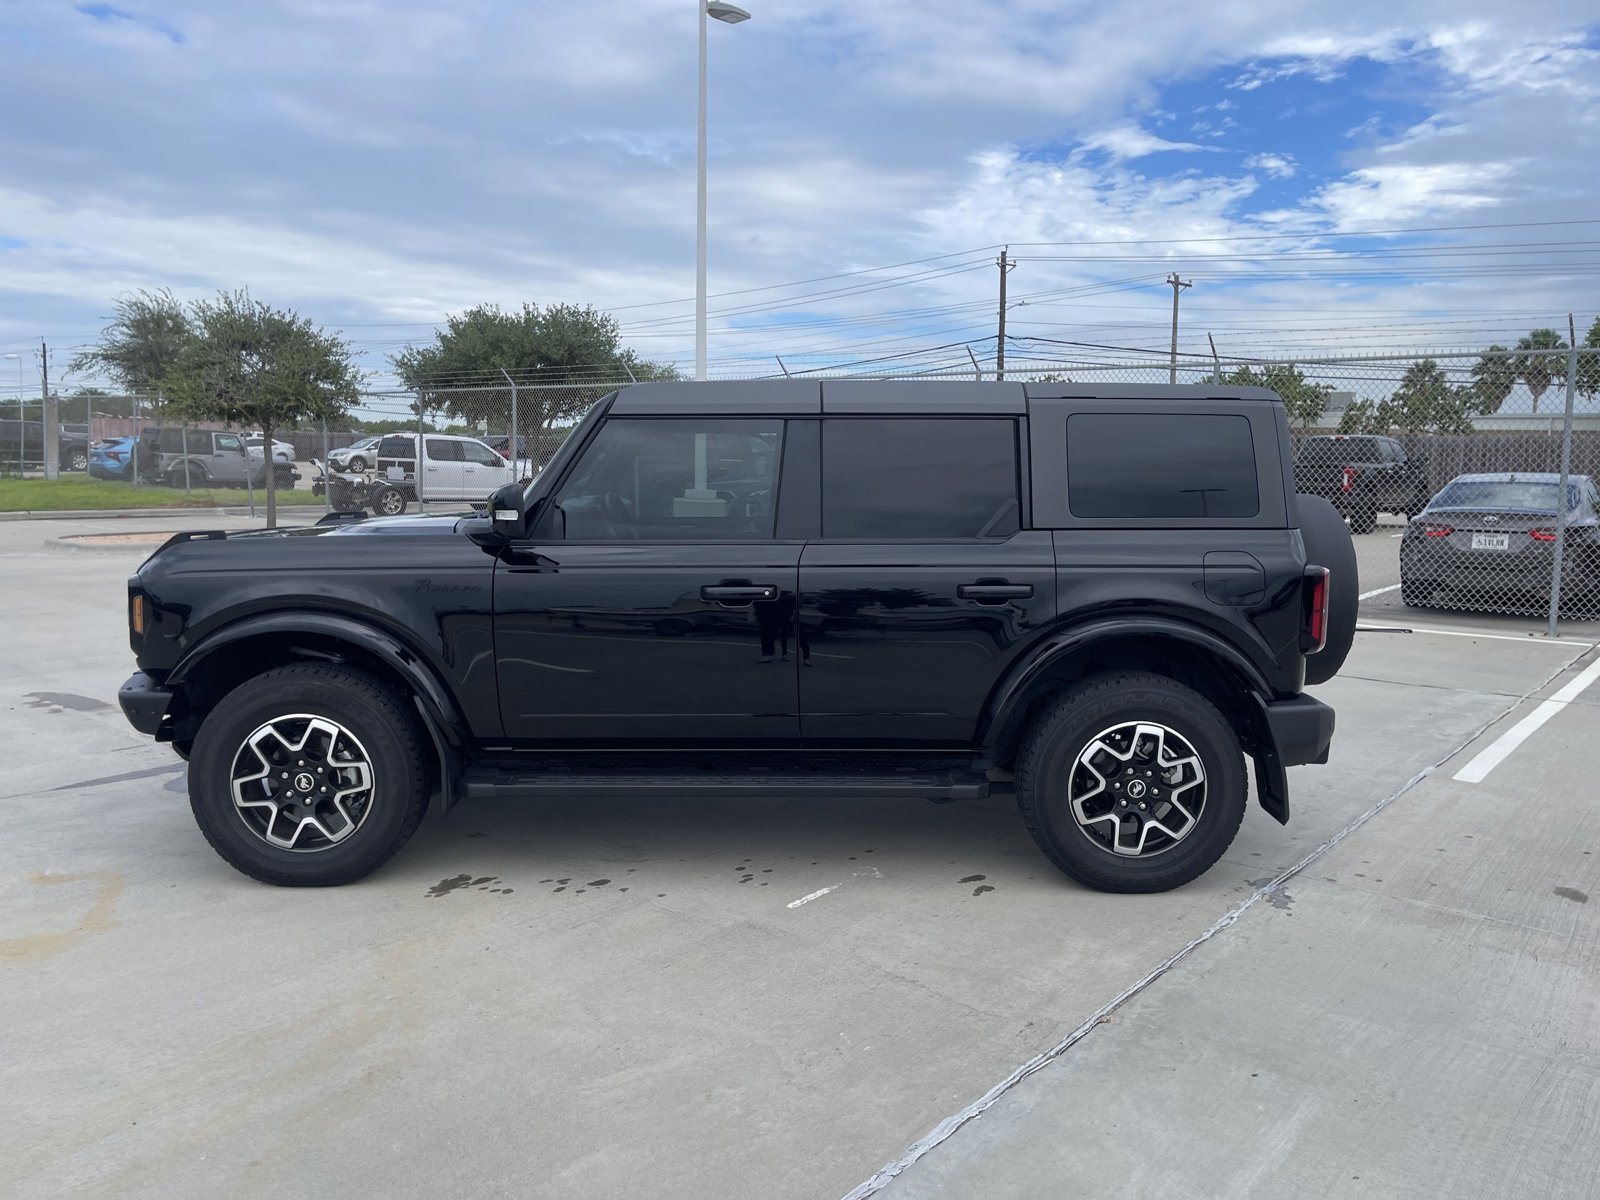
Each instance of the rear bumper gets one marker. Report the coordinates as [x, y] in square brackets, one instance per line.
[1302, 728]
[144, 703]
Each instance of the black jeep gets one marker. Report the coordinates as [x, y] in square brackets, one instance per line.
[1100, 598]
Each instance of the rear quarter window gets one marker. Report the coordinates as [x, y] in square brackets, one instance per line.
[1156, 465]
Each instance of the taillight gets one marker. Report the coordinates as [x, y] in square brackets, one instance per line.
[1436, 530]
[1314, 627]
[1349, 479]
[1542, 535]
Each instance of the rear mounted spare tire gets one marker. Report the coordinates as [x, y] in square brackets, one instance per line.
[1328, 544]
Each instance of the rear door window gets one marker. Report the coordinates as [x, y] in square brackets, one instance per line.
[1157, 465]
[894, 479]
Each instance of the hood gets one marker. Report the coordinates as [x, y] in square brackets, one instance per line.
[408, 525]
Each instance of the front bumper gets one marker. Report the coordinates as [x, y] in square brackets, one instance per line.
[1302, 728]
[144, 703]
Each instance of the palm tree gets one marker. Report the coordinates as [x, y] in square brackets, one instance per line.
[1535, 363]
[1493, 377]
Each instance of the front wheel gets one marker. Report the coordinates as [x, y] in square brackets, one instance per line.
[356, 463]
[308, 775]
[388, 502]
[78, 460]
[1132, 782]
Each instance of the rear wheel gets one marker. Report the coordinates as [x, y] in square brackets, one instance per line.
[1363, 518]
[308, 776]
[356, 463]
[1415, 595]
[78, 460]
[1132, 782]
[186, 476]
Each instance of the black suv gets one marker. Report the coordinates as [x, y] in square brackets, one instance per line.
[1101, 599]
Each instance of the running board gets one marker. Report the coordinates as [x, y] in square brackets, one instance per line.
[512, 783]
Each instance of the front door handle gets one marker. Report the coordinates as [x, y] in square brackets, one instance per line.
[994, 591]
[734, 594]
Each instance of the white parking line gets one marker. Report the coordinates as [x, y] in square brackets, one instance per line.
[1497, 752]
[1526, 640]
[816, 895]
[1393, 587]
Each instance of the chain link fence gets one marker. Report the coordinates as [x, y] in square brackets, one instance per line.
[1479, 469]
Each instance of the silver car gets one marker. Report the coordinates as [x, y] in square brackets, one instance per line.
[1488, 541]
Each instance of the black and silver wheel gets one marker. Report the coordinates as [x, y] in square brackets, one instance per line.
[1132, 782]
[308, 775]
[388, 502]
[356, 463]
[78, 460]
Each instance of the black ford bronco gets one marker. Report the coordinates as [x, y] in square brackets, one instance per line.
[1098, 598]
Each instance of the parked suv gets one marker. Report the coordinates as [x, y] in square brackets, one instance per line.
[177, 455]
[1101, 599]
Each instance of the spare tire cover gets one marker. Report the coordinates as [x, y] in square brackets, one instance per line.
[1328, 544]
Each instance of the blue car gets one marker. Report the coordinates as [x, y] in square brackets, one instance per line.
[112, 459]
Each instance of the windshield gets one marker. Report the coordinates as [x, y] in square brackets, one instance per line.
[1493, 493]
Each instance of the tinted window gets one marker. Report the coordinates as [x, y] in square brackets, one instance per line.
[1494, 493]
[895, 479]
[1325, 450]
[444, 450]
[395, 447]
[673, 479]
[1154, 465]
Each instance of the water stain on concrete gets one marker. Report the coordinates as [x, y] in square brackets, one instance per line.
[64, 700]
[972, 879]
[1567, 893]
[455, 883]
[978, 891]
[98, 919]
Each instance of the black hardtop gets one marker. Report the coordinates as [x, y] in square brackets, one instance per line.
[802, 397]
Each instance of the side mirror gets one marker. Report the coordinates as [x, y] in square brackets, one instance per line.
[508, 510]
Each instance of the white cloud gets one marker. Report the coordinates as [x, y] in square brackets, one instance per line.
[1385, 196]
[1130, 141]
[1278, 166]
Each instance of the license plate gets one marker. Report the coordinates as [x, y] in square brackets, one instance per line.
[1491, 541]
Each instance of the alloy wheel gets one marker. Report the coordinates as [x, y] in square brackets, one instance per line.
[1137, 789]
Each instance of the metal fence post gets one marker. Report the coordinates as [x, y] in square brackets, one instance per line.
[416, 467]
[1561, 487]
[512, 449]
[327, 492]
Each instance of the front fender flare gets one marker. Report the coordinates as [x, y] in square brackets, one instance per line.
[433, 698]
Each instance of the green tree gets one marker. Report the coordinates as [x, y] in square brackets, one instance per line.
[1426, 400]
[1307, 402]
[1589, 361]
[461, 372]
[249, 364]
[1536, 365]
[141, 346]
[1493, 377]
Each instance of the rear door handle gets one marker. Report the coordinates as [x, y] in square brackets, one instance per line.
[735, 595]
[996, 592]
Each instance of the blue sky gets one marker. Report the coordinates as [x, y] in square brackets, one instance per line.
[377, 166]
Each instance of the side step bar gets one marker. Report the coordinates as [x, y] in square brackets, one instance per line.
[512, 783]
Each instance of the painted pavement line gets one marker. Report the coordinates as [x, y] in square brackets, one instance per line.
[1502, 747]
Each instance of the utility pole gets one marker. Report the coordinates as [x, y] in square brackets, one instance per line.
[1177, 286]
[1005, 262]
[51, 419]
[1217, 374]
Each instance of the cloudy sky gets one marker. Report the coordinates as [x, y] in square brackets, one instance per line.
[379, 164]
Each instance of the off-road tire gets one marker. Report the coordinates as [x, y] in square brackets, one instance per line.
[373, 712]
[1069, 725]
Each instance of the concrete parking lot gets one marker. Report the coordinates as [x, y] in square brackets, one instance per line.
[1396, 995]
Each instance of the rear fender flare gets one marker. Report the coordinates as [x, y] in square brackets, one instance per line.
[1014, 692]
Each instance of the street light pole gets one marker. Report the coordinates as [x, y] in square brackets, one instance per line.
[731, 15]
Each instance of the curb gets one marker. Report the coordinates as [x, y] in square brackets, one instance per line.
[73, 546]
[108, 514]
